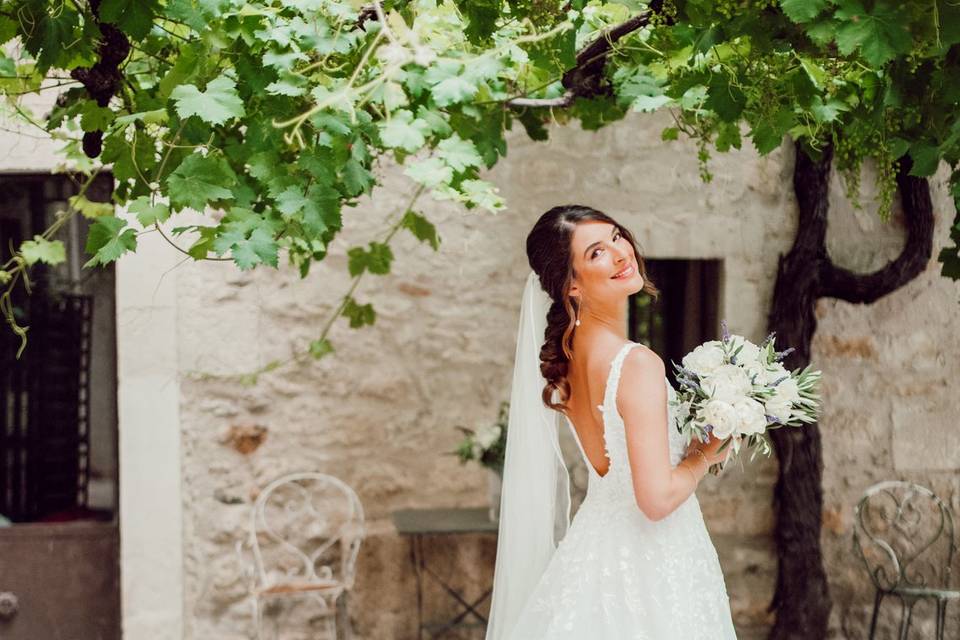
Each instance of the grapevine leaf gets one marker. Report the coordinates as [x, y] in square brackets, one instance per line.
[320, 348]
[403, 131]
[261, 246]
[430, 172]
[148, 213]
[359, 314]
[449, 85]
[356, 178]
[199, 180]
[90, 209]
[217, 104]
[134, 17]
[880, 35]
[480, 193]
[459, 154]
[926, 158]
[108, 240]
[42, 250]
[767, 135]
[421, 228]
[376, 259]
[93, 117]
[802, 10]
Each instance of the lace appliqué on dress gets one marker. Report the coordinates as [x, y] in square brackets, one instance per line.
[617, 575]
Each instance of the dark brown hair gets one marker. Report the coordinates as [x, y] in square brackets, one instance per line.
[548, 251]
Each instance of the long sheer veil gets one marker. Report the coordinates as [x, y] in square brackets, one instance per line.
[535, 497]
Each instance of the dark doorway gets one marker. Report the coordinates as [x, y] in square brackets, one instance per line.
[686, 313]
[59, 541]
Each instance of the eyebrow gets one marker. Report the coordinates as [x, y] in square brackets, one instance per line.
[587, 250]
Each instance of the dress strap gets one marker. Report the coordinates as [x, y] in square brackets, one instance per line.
[613, 378]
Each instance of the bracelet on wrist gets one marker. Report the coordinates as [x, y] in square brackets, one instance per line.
[700, 453]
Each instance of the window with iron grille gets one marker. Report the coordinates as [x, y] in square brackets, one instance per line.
[58, 399]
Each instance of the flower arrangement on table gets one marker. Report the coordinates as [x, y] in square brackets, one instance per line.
[486, 444]
[739, 391]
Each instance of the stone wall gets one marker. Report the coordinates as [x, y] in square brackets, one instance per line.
[380, 412]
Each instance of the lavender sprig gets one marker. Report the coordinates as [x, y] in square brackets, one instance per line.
[780, 355]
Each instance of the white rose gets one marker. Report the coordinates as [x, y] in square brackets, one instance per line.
[728, 382]
[722, 416]
[749, 352]
[705, 358]
[752, 418]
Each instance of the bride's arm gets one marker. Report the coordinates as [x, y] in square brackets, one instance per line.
[642, 401]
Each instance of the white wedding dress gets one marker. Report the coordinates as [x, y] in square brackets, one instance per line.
[616, 574]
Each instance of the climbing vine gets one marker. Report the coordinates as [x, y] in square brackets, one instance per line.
[278, 116]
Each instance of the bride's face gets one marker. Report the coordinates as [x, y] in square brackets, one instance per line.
[604, 262]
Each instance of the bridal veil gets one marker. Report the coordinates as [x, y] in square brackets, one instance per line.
[535, 497]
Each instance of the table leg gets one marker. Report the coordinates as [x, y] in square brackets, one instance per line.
[420, 567]
[416, 558]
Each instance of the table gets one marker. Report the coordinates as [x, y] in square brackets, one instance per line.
[418, 523]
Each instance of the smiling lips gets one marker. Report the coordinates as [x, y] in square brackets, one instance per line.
[628, 271]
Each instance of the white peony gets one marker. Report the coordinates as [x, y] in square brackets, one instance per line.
[766, 374]
[749, 352]
[779, 408]
[722, 416]
[780, 404]
[728, 382]
[487, 436]
[752, 418]
[788, 390]
[705, 358]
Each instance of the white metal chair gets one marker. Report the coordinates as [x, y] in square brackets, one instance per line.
[904, 534]
[304, 538]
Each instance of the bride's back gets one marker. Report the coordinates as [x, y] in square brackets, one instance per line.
[587, 374]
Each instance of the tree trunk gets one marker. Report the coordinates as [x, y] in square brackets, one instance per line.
[806, 273]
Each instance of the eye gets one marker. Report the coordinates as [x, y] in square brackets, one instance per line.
[616, 237]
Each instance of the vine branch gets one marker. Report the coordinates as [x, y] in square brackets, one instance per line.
[585, 79]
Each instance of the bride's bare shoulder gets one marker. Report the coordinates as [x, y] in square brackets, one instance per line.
[641, 364]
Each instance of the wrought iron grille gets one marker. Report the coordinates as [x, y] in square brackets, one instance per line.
[44, 410]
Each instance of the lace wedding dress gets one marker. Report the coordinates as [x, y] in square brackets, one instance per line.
[618, 575]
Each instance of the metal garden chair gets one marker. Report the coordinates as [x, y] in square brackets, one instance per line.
[305, 535]
[904, 534]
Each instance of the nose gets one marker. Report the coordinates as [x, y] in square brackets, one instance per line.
[619, 253]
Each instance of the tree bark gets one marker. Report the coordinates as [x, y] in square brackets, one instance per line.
[805, 274]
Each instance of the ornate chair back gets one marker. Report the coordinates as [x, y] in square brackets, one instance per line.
[904, 534]
[305, 533]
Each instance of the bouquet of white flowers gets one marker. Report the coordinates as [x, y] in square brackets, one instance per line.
[737, 390]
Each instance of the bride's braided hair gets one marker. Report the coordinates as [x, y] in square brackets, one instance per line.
[548, 251]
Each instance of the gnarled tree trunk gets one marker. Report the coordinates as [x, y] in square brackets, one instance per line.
[806, 273]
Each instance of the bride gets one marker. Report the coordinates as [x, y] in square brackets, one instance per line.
[637, 561]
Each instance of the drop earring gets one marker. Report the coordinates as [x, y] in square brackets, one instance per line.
[577, 319]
